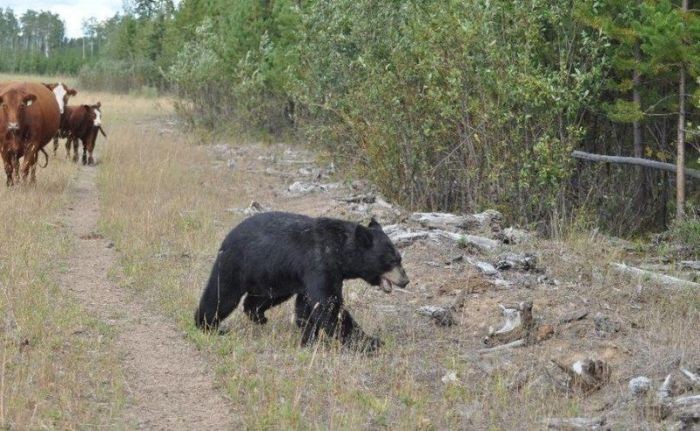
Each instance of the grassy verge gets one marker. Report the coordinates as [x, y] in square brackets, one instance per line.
[57, 369]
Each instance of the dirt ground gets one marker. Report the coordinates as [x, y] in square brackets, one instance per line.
[169, 385]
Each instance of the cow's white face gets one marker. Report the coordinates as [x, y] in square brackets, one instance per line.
[60, 92]
[98, 118]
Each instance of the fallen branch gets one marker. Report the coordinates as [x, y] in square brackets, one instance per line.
[633, 161]
[694, 378]
[686, 401]
[666, 280]
[487, 220]
[516, 343]
[691, 264]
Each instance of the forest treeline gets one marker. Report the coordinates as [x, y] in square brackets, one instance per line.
[452, 105]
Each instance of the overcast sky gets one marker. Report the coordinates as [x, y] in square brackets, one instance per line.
[72, 12]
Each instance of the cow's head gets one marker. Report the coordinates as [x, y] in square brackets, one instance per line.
[62, 93]
[13, 105]
[96, 114]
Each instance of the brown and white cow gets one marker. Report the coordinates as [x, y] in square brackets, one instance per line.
[62, 93]
[29, 119]
[82, 123]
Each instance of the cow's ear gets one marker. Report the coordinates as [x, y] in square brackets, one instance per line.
[98, 104]
[72, 92]
[374, 224]
[29, 99]
[49, 86]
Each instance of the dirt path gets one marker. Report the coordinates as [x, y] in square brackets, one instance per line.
[169, 385]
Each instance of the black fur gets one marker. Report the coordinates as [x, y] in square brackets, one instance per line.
[273, 256]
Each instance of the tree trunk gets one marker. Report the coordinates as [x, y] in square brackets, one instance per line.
[680, 154]
[637, 99]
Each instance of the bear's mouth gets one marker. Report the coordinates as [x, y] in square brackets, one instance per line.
[395, 277]
[386, 285]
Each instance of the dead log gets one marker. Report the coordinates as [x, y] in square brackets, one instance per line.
[665, 280]
[687, 401]
[691, 264]
[403, 237]
[489, 220]
[638, 161]
[692, 377]
[516, 343]
[479, 242]
[518, 324]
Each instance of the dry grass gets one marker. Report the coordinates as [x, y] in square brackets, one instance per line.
[57, 370]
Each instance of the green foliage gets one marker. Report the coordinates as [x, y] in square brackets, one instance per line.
[446, 105]
[687, 232]
[441, 103]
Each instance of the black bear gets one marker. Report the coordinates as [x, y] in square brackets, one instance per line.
[275, 255]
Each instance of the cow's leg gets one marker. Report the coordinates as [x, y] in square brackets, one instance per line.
[84, 154]
[15, 168]
[8, 168]
[75, 149]
[28, 162]
[91, 161]
[55, 144]
[68, 142]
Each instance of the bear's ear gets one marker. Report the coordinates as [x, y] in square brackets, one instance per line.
[363, 236]
[374, 224]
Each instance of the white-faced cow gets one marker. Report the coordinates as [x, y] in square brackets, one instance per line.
[82, 123]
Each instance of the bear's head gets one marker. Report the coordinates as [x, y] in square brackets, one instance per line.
[375, 259]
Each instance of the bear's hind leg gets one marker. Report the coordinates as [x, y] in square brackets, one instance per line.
[256, 306]
[219, 299]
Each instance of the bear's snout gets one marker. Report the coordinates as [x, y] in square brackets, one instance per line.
[396, 276]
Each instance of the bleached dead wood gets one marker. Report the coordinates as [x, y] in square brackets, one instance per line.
[633, 161]
[663, 394]
[479, 242]
[516, 343]
[572, 424]
[403, 237]
[687, 401]
[692, 377]
[487, 220]
[518, 324]
[662, 279]
[691, 264]
[484, 267]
